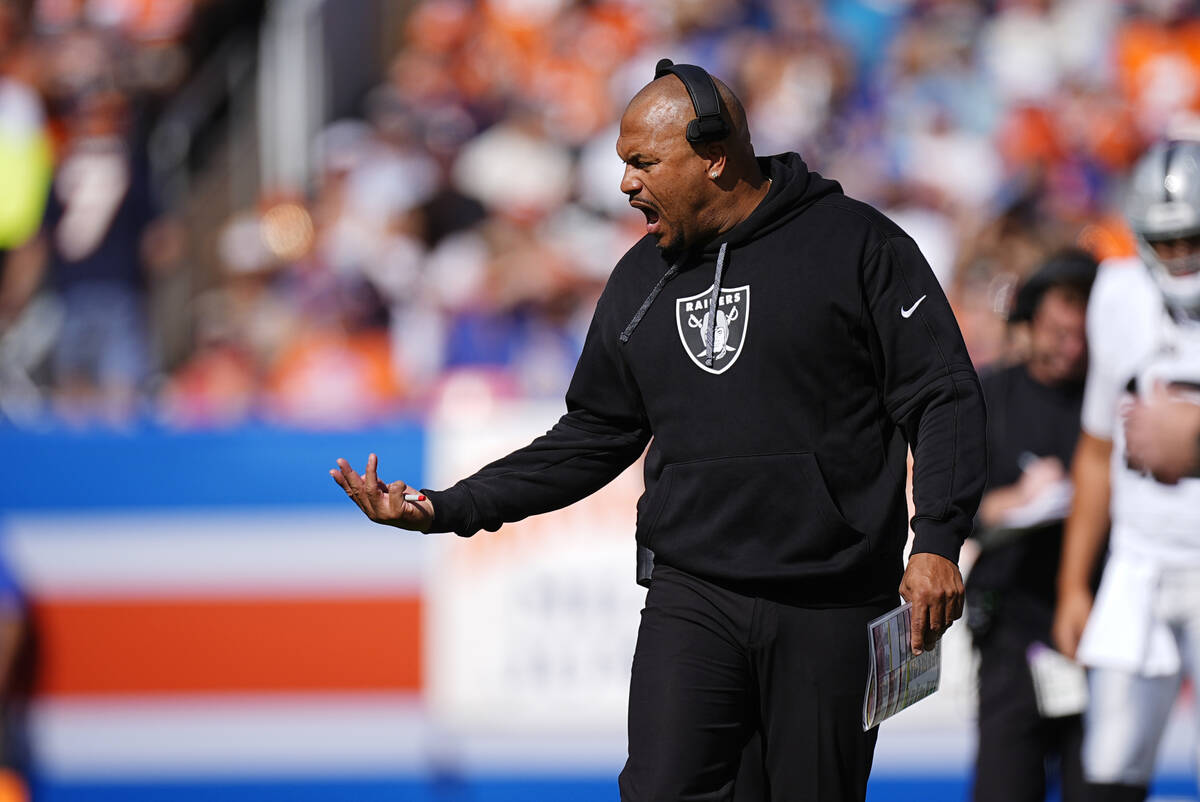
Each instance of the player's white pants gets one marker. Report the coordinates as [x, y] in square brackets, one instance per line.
[1128, 712]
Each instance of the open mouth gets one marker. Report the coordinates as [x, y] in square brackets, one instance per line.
[652, 218]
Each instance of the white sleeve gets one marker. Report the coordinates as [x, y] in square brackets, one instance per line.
[1121, 317]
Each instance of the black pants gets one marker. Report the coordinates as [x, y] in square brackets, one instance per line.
[1017, 747]
[712, 667]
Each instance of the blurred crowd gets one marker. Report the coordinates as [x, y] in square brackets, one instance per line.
[456, 232]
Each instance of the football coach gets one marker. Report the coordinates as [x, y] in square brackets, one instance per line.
[780, 347]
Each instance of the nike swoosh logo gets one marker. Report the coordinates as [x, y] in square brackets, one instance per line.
[907, 313]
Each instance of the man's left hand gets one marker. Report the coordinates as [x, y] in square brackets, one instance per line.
[934, 586]
[1160, 435]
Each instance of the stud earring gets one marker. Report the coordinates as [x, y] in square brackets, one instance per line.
[712, 175]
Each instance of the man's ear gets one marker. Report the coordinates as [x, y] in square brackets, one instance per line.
[715, 159]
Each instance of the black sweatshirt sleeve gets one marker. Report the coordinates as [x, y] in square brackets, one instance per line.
[931, 391]
[602, 433]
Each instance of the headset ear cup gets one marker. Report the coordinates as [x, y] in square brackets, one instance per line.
[696, 132]
[708, 126]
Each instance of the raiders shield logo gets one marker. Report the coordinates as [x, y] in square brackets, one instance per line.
[692, 316]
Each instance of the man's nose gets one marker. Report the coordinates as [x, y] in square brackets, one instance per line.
[630, 184]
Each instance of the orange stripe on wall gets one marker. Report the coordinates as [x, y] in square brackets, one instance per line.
[228, 645]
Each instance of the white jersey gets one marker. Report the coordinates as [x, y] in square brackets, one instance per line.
[1133, 344]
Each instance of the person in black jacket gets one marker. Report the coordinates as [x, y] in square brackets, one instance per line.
[1032, 428]
[779, 346]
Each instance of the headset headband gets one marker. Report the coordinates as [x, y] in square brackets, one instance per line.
[708, 126]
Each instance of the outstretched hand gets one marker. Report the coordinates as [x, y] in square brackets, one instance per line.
[381, 502]
[934, 586]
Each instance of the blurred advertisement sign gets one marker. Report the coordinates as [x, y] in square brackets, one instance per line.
[531, 628]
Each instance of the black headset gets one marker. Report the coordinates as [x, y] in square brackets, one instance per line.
[709, 125]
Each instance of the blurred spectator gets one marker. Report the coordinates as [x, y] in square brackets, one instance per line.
[1157, 55]
[26, 330]
[1033, 423]
[938, 113]
[794, 86]
[329, 379]
[998, 132]
[518, 310]
[218, 384]
[334, 368]
[100, 237]
[157, 62]
[866, 27]
[25, 155]
[1030, 48]
[541, 179]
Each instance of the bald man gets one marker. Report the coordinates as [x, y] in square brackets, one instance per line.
[779, 346]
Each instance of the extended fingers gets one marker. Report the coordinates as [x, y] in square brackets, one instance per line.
[349, 474]
[347, 478]
[354, 485]
[382, 502]
[376, 487]
[371, 477]
[337, 477]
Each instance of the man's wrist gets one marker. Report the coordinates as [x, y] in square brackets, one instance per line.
[1072, 587]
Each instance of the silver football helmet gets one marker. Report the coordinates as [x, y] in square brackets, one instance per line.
[1163, 204]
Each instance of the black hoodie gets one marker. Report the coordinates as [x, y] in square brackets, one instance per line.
[777, 462]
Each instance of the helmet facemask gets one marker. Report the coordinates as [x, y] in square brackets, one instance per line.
[1163, 206]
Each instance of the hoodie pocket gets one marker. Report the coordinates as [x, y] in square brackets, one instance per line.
[758, 516]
